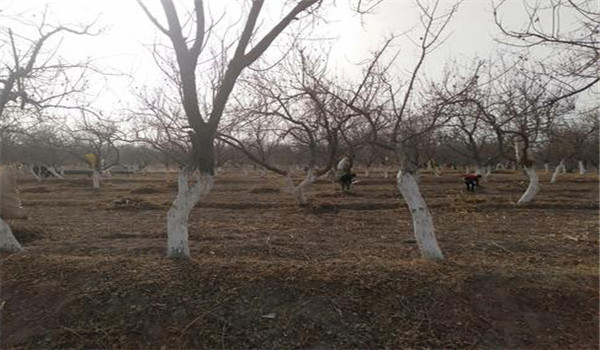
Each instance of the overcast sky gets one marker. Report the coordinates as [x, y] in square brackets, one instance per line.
[123, 45]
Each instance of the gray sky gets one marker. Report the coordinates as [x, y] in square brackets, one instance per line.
[123, 45]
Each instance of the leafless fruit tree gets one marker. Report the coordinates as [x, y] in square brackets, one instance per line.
[250, 45]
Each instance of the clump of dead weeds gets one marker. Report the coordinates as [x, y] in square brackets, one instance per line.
[465, 202]
[133, 204]
[337, 194]
[145, 190]
[35, 189]
[322, 208]
[27, 233]
[264, 190]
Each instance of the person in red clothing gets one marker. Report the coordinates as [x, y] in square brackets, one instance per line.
[472, 181]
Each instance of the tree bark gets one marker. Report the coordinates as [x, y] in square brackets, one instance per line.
[581, 168]
[96, 179]
[559, 167]
[533, 188]
[55, 173]
[8, 242]
[422, 220]
[177, 216]
[484, 171]
[300, 190]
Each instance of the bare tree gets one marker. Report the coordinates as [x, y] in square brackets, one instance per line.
[295, 111]
[159, 122]
[569, 33]
[477, 129]
[93, 140]
[573, 139]
[522, 99]
[390, 110]
[203, 129]
[33, 75]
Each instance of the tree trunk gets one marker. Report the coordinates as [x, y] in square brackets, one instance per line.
[533, 187]
[422, 220]
[177, 216]
[546, 168]
[581, 168]
[37, 177]
[484, 171]
[300, 190]
[560, 166]
[8, 242]
[517, 153]
[96, 179]
[55, 173]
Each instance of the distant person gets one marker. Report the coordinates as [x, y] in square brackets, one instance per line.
[343, 174]
[346, 181]
[472, 181]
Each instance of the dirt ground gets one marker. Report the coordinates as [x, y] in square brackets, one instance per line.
[265, 273]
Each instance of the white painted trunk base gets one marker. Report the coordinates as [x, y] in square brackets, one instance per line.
[533, 188]
[177, 216]
[56, 174]
[581, 168]
[38, 178]
[484, 171]
[559, 167]
[8, 242]
[546, 168]
[299, 191]
[96, 180]
[422, 220]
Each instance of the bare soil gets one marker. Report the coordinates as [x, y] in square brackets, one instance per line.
[344, 272]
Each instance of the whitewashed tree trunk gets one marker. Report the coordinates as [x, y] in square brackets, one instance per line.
[8, 242]
[581, 168]
[517, 153]
[484, 171]
[37, 177]
[385, 174]
[533, 188]
[299, 191]
[422, 220]
[546, 168]
[96, 179]
[56, 174]
[177, 216]
[367, 172]
[559, 167]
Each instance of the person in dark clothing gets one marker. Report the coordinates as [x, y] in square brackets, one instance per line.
[471, 181]
[346, 181]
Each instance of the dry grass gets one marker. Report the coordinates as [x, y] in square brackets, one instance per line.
[343, 272]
